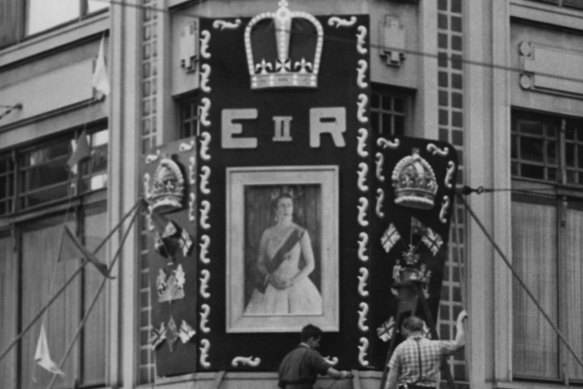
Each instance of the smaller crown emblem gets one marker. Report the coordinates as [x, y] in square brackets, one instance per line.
[414, 182]
[167, 190]
[272, 62]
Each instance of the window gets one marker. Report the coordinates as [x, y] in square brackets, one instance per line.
[35, 177]
[19, 19]
[39, 174]
[547, 225]
[388, 110]
[188, 116]
[30, 275]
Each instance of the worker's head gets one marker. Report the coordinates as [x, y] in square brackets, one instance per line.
[412, 324]
[311, 335]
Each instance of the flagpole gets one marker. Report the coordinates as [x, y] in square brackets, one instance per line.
[521, 282]
[62, 289]
[94, 301]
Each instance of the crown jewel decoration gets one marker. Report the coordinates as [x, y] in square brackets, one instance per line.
[414, 182]
[408, 270]
[167, 191]
[272, 61]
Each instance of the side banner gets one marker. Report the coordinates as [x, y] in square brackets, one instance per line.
[414, 188]
[284, 187]
[170, 190]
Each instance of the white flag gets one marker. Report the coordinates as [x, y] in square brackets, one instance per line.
[100, 80]
[42, 356]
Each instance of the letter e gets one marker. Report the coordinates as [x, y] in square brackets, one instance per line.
[230, 128]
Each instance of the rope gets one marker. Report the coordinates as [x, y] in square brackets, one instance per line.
[67, 283]
[521, 282]
[95, 298]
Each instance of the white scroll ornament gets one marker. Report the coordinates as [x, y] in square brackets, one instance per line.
[362, 316]
[387, 144]
[362, 282]
[338, 22]
[362, 243]
[444, 209]
[224, 25]
[362, 209]
[205, 140]
[205, 173]
[362, 137]
[205, 208]
[205, 74]
[362, 351]
[379, 161]
[362, 176]
[204, 348]
[434, 150]
[449, 175]
[205, 38]
[205, 107]
[204, 244]
[246, 361]
[204, 283]
[205, 311]
[361, 73]
[362, 104]
[380, 200]
[361, 40]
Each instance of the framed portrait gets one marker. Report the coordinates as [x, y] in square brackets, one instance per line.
[282, 248]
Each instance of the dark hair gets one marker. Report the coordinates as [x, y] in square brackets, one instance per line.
[282, 195]
[413, 324]
[310, 331]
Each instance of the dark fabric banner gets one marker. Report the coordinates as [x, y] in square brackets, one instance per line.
[170, 190]
[415, 188]
[284, 137]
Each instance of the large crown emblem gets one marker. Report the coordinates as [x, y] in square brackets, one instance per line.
[276, 60]
[167, 191]
[414, 182]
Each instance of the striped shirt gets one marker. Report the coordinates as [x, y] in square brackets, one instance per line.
[418, 350]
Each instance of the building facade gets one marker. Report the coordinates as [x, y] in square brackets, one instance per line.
[501, 81]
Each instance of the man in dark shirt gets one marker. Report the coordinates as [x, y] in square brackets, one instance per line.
[299, 369]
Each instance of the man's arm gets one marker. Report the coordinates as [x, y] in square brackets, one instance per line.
[337, 374]
[460, 336]
[392, 379]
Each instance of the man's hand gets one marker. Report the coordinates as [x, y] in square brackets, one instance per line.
[461, 317]
[345, 374]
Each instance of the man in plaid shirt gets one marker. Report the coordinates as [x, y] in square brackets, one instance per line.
[416, 361]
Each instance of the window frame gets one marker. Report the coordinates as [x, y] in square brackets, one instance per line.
[393, 93]
[74, 181]
[21, 24]
[561, 196]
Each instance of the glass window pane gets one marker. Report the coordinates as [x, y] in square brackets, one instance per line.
[375, 101]
[552, 153]
[94, 346]
[552, 174]
[530, 127]
[44, 14]
[533, 171]
[535, 345]
[531, 149]
[573, 276]
[570, 154]
[8, 310]
[39, 281]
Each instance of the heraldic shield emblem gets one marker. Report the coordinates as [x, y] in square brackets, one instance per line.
[415, 188]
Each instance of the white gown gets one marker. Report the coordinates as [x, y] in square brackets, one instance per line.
[303, 298]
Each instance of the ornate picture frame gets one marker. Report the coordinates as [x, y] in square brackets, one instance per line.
[260, 300]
